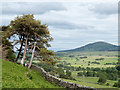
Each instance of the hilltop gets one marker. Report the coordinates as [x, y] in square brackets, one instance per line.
[97, 46]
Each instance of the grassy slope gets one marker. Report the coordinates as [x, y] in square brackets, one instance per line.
[14, 76]
[0, 73]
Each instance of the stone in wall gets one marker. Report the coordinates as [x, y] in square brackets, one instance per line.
[60, 82]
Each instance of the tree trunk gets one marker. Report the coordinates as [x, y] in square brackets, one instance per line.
[19, 50]
[24, 55]
[33, 52]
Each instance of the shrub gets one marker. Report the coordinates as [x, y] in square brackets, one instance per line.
[80, 74]
[68, 73]
[10, 55]
[115, 85]
[118, 67]
[112, 76]
[102, 79]
[89, 74]
[107, 84]
[63, 76]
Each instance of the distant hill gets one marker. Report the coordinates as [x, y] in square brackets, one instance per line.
[97, 46]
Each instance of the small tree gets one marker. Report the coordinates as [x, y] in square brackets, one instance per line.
[117, 84]
[118, 67]
[107, 84]
[89, 73]
[80, 73]
[68, 73]
[102, 79]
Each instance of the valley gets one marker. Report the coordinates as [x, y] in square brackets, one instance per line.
[87, 61]
[87, 67]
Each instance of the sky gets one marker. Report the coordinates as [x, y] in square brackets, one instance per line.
[71, 24]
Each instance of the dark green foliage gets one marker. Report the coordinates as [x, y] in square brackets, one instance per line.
[112, 76]
[118, 67]
[117, 84]
[78, 68]
[71, 55]
[69, 67]
[88, 74]
[68, 73]
[99, 59]
[7, 46]
[95, 62]
[83, 57]
[10, 55]
[60, 71]
[119, 74]
[107, 84]
[110, 63]
[59, 65]
[80, 74]
[111, 73]
[62, 75]
[102, 79]
[48, 56]
[95, 69]
[5, 37]
[47, 68]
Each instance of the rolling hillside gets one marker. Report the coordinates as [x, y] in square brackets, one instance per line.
[97, 46]
[16, 76]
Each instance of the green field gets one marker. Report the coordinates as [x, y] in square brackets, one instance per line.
[17, 76]
[73, 59]
[90, 81]
[109, 57]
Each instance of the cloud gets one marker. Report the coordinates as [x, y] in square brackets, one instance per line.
[30, 8]
[105, 8]
[71, 24]
[67, 25]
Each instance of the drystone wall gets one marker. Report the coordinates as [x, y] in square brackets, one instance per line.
[60, 82]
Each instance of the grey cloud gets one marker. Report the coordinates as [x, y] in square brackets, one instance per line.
[30, 8]
[105, 8]
[74, 27]
[67, 25]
